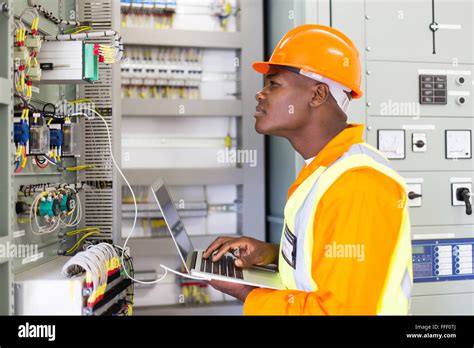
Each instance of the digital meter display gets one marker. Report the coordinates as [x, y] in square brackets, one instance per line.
[418, 249]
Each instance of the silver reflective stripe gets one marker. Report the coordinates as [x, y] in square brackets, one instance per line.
[406, 284]
[301, 274]
[357, 149]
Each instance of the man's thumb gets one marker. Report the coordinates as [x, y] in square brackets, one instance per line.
[241, 262]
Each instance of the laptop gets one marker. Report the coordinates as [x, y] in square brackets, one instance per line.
[192, 259]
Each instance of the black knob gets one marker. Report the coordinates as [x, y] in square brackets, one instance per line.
[420, 143]
[22, 208]
[413, 195]
[463, 194]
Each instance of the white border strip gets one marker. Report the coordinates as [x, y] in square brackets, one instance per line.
[419, 126]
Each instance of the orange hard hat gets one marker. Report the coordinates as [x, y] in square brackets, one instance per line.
[320, 51]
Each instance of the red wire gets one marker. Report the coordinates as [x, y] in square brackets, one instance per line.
[19, 170]
[39, 165]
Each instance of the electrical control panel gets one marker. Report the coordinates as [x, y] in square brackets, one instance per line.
[59, 124]
[419, 113]
[443, 260]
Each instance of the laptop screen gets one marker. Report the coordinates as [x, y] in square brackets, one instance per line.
[173, 220]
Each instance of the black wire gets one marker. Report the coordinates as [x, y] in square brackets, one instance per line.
[41, 162]
[49, 104]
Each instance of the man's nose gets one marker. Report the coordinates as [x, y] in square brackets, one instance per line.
[259, 96]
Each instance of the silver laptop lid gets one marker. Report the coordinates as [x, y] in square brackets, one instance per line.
[173, 221]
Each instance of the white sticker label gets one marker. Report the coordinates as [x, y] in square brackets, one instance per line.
[419, 126]
[434, 236]
[414, 180]
[35, 89]
[18, 234]
[450, 26]
[459, 93]
[443, 72]
[461, 180]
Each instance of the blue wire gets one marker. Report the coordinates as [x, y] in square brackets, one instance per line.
[50, 160]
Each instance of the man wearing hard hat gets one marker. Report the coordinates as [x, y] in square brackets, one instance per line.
[345, 247]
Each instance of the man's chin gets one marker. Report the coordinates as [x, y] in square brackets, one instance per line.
[265, 131]
[261, 129]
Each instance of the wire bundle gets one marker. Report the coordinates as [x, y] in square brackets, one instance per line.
[115, 53]
[20, 66]
[91, 231]
[50, 16]
[99, 262]
[32, 62]
[105, 53]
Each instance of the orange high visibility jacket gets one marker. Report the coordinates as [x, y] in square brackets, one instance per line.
[362, 207]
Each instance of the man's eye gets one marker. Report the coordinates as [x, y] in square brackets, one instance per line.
[273, 83]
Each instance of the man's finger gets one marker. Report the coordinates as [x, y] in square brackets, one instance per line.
[225, 248]
[216, 244]
[240, 262]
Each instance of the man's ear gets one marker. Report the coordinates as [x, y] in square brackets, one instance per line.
[321, 93]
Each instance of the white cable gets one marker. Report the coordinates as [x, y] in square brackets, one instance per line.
[124, 248]
[30, 10]
[82, 261]
[184, 275]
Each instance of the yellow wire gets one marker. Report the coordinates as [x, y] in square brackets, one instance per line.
[80, 101]
[78, 243]
[83, 167]
[87, 229]
[23, 163]
[78, 29]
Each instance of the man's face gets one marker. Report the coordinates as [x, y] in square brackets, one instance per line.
[283, 103]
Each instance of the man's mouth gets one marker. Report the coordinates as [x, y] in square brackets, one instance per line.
[259, 111]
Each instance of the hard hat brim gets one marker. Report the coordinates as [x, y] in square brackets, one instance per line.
[264, 67]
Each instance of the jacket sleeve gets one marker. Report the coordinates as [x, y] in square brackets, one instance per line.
[356, 227]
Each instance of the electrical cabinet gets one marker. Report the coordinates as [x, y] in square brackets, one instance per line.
[187, 92]
[56, 180]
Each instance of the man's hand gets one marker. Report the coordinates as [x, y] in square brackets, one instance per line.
[251, 251]
[239, 291]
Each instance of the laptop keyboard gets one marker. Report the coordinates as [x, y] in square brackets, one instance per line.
[224, 267]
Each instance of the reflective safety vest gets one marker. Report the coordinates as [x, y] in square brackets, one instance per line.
[295, 260]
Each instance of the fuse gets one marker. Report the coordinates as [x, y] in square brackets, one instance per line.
[33, 42]
[39, 140]
[70, 139]
[34, 72]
